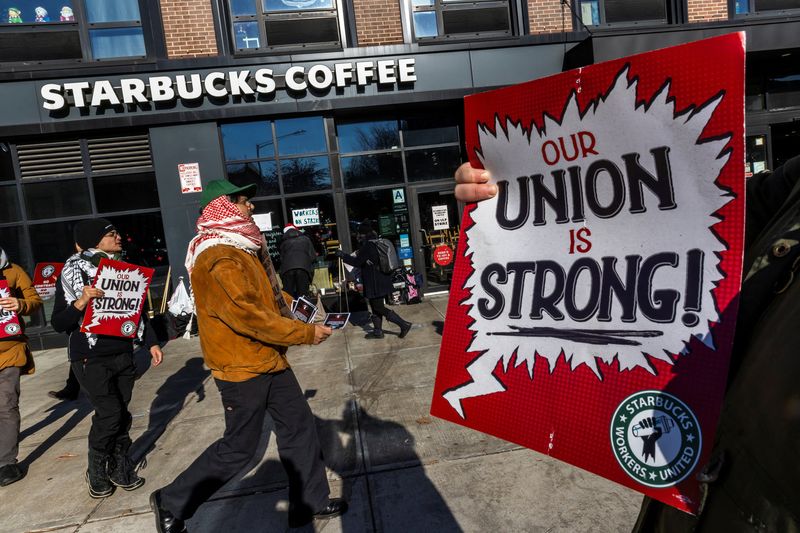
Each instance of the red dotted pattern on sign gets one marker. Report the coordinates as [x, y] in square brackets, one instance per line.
[566, 413]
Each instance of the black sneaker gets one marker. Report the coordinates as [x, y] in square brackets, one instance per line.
[64, 395]
[336, 507]
[10, 474]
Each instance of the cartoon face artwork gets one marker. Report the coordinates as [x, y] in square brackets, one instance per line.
[14, 15]
[67, 15]
[41, 15]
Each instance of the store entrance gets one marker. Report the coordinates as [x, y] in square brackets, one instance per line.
[436, 223]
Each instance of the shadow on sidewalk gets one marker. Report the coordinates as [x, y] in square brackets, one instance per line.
[79, 408]
[265, 507]
[169, 401]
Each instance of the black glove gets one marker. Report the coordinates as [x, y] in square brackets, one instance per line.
[339, 253]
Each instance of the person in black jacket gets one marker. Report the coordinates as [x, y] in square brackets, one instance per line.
[297, 260]
[103, 364]
[377, 285]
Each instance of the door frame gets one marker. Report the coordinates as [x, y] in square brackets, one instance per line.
[412, 190]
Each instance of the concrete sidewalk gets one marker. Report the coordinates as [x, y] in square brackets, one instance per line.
[401, 469]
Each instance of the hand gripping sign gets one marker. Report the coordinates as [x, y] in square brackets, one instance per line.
[9, 321]
[118, 312]
[593, 302]
[45, 277]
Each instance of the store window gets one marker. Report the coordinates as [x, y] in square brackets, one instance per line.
[259, 26]
[78, 30]
[453, 19]
[764, 7]
[386, 152]
[387, 214]
[315, 215]
[289, 155]
[619, 12]
[773, 80]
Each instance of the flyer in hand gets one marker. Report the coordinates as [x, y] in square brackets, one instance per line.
[336, 320]
[118, 312]
[304, 310]
[9, 321]
[594, 299]
[45, 277]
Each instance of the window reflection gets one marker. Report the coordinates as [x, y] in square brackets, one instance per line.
[432, 164]
[117, 42]
[247, 140]
[262, 173]
[9, 204]
[371, 170]
[368, 136]
[428, 130]
[305, 174]
[116, 11]
[141, 192]
[246, 34]
[296, 5]
[62, 198]
[300, 135]
[242, 7]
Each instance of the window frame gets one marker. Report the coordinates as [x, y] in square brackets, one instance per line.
[82, 27]
[261, 18]
[439, 7]
[675, 13]
[750, 13]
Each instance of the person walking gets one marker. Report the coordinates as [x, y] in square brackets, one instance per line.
[377, 285]
[15, 360]
[102, 364]
[297, 261]
[246, 328]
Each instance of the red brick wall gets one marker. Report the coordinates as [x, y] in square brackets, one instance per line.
[544, 16]
[706, 10]
[188, 28]
[378, 22]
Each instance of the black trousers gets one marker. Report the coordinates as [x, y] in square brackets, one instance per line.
[108, 381]
[296, 282]
[378, 306]
[246, 404]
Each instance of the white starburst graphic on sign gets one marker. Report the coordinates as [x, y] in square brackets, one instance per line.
[123, 290]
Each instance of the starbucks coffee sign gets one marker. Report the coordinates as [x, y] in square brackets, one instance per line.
[222, 84]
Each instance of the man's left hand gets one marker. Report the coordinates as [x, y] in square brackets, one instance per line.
[10, 304]
[156, 354]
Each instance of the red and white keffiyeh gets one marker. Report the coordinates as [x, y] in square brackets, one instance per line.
[222, 223]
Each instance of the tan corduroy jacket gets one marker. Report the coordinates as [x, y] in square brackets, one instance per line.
[242, 332]
[15, 352]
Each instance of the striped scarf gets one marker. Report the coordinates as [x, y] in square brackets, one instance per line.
[221, 223]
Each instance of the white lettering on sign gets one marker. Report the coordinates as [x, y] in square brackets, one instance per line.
[305, 217]
[441, 220]
[82, 94]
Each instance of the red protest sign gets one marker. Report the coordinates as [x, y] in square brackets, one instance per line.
[443, 255]
[45, 277]
[593, 302]
[118, 312]
[9, 321]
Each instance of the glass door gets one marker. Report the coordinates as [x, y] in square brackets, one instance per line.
[437, 220]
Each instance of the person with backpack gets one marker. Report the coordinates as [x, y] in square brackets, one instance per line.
[377, 283]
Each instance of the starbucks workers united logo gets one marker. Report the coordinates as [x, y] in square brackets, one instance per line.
[655, 438]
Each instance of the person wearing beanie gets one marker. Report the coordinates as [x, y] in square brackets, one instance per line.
[102, 364]
[15, 360]
[377, 285]
[297, 261]
[246, 328]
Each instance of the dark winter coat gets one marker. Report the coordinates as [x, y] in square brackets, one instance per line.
[376, 283]
[297, 252]
[757, 487]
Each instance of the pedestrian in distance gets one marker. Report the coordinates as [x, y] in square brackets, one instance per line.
[297, 261]
[377, 285]
[15, 360]
[751, 481]
[103, 365]
[246, 328]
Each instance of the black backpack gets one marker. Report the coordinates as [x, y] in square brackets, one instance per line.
[387, 255]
